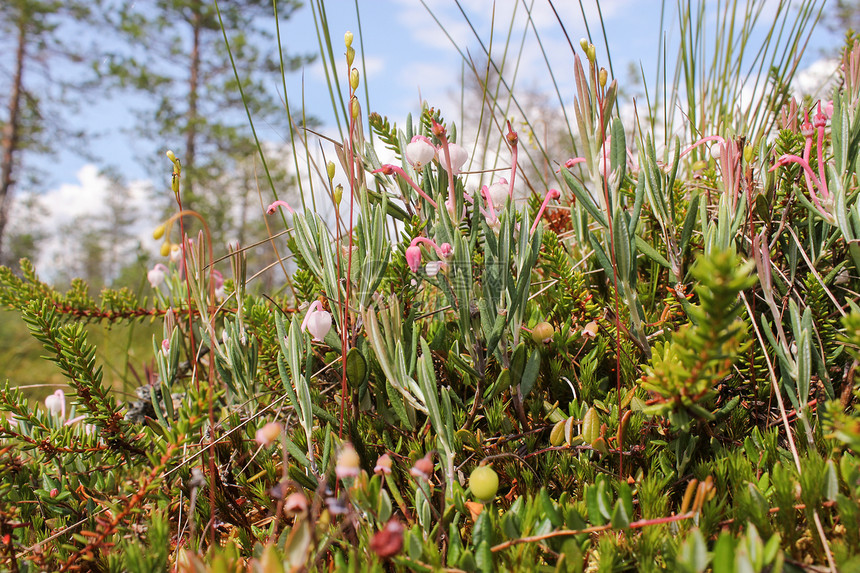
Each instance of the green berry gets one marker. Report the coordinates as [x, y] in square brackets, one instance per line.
[484, 483]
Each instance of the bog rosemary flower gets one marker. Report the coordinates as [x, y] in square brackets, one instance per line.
[156, 275]
[348, 462]
[420, 152]
[266, 435]
[317, 321]
[497, 194]
[296, 503]
[383, 465]
[458, 158]
[56, 404]
[413, 252]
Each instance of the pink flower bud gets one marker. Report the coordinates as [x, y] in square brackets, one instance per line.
[446, 250]
[268, 433]
[423, 468]
[348, 462]
[383, 465]
[413, 257]
[420, 152]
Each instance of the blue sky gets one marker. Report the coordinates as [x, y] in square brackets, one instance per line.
[406, 54]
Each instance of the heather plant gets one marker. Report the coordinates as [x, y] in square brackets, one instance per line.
[645, 361]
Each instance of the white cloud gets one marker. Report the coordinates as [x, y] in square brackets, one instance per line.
[84, 204]
[817, 79]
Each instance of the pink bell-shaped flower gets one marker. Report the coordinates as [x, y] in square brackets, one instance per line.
[498, 193]
[458, 158]
[56, 404]
[317, 321]
[420, 152]
[413, 257]
[156, 275]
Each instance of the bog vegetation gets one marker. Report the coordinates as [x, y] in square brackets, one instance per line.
[640, 355]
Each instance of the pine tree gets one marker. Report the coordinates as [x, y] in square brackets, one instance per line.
[177, 58]
[34, 46]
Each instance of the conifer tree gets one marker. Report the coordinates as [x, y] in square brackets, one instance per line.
[35, 47]
[176, 58]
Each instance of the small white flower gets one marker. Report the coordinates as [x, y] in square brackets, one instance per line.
[156, 275]
[498, 193]
[175, 253]
[458, 157]
[420, 152]
[317, 321]
[56, 404]
[432, 268]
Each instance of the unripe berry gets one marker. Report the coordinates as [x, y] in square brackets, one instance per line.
[542, 332]
[484, 483]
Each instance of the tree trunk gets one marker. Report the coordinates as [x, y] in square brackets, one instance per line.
[11, 131]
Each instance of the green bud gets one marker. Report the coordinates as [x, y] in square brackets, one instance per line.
[353, 79]
[330, 169]
[165, 248]
[583, 43]
[602, 76]
[748, 153]
[338, 194]
[350, 56]
[347, 39]
[171, 156]
[591, 52]
[158, 232]
[355, 108]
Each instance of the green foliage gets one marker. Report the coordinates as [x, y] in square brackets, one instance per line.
[685, 371]
[633, 393]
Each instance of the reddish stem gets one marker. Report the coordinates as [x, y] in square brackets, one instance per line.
[389, 169]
